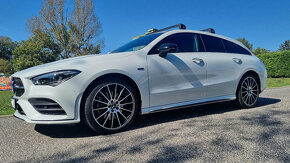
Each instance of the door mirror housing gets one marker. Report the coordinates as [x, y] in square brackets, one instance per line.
[166, 48]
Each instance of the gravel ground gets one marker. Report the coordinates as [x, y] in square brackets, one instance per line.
[216, 132]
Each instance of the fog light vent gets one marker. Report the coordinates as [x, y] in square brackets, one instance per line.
[46, 106]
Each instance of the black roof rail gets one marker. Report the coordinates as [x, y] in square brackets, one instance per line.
[180, 26]
[153, 30]
[210, 30]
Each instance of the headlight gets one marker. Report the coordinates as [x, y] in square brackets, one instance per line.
[54, 78]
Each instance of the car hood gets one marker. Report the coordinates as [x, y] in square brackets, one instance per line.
[78, 63]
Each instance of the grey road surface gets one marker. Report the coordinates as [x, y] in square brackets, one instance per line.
[216, 132]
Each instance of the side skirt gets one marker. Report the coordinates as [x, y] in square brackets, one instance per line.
[188, 103]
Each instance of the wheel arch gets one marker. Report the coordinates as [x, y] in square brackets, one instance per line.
[111, 75]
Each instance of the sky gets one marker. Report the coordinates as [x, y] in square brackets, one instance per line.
[265, 23]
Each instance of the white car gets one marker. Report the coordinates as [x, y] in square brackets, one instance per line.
[160, 70]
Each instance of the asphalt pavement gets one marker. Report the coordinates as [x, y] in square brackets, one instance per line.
[209, 133]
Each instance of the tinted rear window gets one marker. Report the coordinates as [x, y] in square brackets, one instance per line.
[213, 44]
[234, 48]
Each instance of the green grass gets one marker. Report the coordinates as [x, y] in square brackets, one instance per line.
[6, 108]
[5, 103]
[277, 82]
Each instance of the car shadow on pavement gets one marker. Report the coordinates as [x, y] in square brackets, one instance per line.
[80, 130]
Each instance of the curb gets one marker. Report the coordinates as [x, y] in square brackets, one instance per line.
[6, 116]
[287, 86]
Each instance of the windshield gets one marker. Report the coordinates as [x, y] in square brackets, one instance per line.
[138, 43]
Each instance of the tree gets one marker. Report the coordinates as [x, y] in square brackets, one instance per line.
[76, 33]
[34, 51]
[285, 46]
[6, 47]
[5, 66]
[260, 50]
[246, 43]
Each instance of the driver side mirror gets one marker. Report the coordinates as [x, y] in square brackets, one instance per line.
[167, 48]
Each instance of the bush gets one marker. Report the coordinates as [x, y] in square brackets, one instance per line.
[5, 67]
[277, 63]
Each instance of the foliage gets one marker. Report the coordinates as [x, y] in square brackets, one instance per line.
[260, 50]
[277, 63]
[278, 82]
[34, 51]
[5, 103]
[6, 47]
[246, 43]
[76, 32]
[5, 66]
[285, 45]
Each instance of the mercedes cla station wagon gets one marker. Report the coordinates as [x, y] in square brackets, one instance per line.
[160, 70]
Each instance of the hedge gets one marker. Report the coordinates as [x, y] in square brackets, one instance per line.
[277, 63]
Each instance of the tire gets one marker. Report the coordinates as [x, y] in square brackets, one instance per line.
[248, 91]
[110, 106]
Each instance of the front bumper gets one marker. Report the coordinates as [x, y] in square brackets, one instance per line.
[25, 118]
[67, 95]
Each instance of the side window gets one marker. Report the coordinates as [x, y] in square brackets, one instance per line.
[234, 48]
[213, 44]
[186, 42]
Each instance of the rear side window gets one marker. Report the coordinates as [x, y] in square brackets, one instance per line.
[186, 42]
[213, 44]
[234, 48]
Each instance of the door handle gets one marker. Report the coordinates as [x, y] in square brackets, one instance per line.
[237, 60]
[197, 60]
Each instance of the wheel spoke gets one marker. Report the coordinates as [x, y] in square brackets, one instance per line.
[104, 96]
[115, 95]
[125, 97]
[244, 87]
[101, 102]
[106, 119]
[245, 96]
[254, 94]
[255, 98]
[112, 120]
[128, 103]
[123, 115]
[246, 101]
[100, 108]
[109, 92]
[118, 119]
[102, 114]
[126, 110]
[120, 94]
[247, 82]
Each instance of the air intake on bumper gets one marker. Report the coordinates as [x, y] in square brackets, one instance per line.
[46, 106]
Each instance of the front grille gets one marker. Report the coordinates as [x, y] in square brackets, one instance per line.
[17, 86]
[46, 106]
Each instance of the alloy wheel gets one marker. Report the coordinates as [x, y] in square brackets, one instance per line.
[249, 91]
[113, 106]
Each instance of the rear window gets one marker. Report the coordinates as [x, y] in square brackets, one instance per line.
[213, 44]
[234, 48]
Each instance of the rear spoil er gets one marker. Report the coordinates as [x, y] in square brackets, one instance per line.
[65, 121]
[187, 104]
